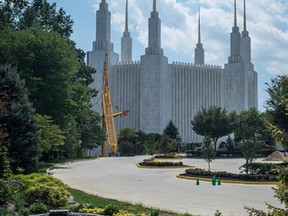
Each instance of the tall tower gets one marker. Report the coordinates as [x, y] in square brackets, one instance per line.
[199, 51]
[101, 47]
[235, 40]
[155, 81]
[126, 41]
[252, 78]
[154, 33]
[235, 78]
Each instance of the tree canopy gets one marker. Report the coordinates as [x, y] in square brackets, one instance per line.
[35, 40]
[23, 141]
[277, 109]
[213, 122]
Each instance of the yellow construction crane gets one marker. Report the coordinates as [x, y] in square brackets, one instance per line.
[108, 116]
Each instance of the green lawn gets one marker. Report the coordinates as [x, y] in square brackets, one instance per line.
[136, 209]
[45, 165]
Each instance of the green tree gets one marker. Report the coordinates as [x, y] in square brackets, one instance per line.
[91, 134]
[150, 144]
[22, 127]
[173, 133]
[51, 136]
[126, 141]
[214, 122]
[166, 145]
[249, 148]
[249, 124]
[276, 108]
[22, 14]
[11, 11]
[207, 150]
[48, 64]
[5, 170]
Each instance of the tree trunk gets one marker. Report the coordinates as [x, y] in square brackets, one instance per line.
[247, 164]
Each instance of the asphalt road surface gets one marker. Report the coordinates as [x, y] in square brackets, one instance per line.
[119, 178]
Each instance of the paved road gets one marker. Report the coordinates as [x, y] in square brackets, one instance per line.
[119, 178]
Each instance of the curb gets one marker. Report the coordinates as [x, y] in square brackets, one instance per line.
[228, 181]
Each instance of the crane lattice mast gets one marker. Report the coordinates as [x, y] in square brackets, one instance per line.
[108, 116]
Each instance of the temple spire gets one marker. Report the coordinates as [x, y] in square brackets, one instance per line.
[199, 28]
[245, 24]
[126, 17]
[154, 5]
[235, 13]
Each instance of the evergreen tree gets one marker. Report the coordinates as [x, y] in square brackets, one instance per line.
[22, 128]
[171, 130]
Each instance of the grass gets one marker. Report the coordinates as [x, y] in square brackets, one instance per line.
[45, 165]
[100, 202]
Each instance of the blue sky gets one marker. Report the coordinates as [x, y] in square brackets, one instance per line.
[267, 22]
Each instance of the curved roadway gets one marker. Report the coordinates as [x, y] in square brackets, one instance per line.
[119, 178]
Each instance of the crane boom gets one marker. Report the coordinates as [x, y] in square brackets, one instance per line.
[108, 116]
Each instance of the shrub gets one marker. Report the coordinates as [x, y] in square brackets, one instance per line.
[222, 174]
[123, 213]
[154, 212]
[110, 210]
[46, 189]
[38, 208]
[91, 210]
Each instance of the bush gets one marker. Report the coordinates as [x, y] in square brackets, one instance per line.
[45, 189]
[154, 212]
[91, 210]
[110, 210]
[38, 208]
[123, 213]
[265, 168]
[225, 175]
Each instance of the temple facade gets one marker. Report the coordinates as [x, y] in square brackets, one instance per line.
[156, 91]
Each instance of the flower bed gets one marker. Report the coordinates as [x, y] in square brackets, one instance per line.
[162, 164]
[230, 176]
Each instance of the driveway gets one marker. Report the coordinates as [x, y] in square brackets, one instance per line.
[119, 178]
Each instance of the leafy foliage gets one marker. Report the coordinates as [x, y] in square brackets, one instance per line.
[51, 135]
[24, 134]
[171, 131]
[277, 106]
[21, 14]
[249, 148]
[5, 170]
[208, 152]
[110, 210]
[249, 124]
[166, 145]
[38, 208]
[214, 122]
[46, 189]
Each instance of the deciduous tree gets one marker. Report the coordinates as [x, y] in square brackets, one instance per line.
[214, 122]
[207, 150]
